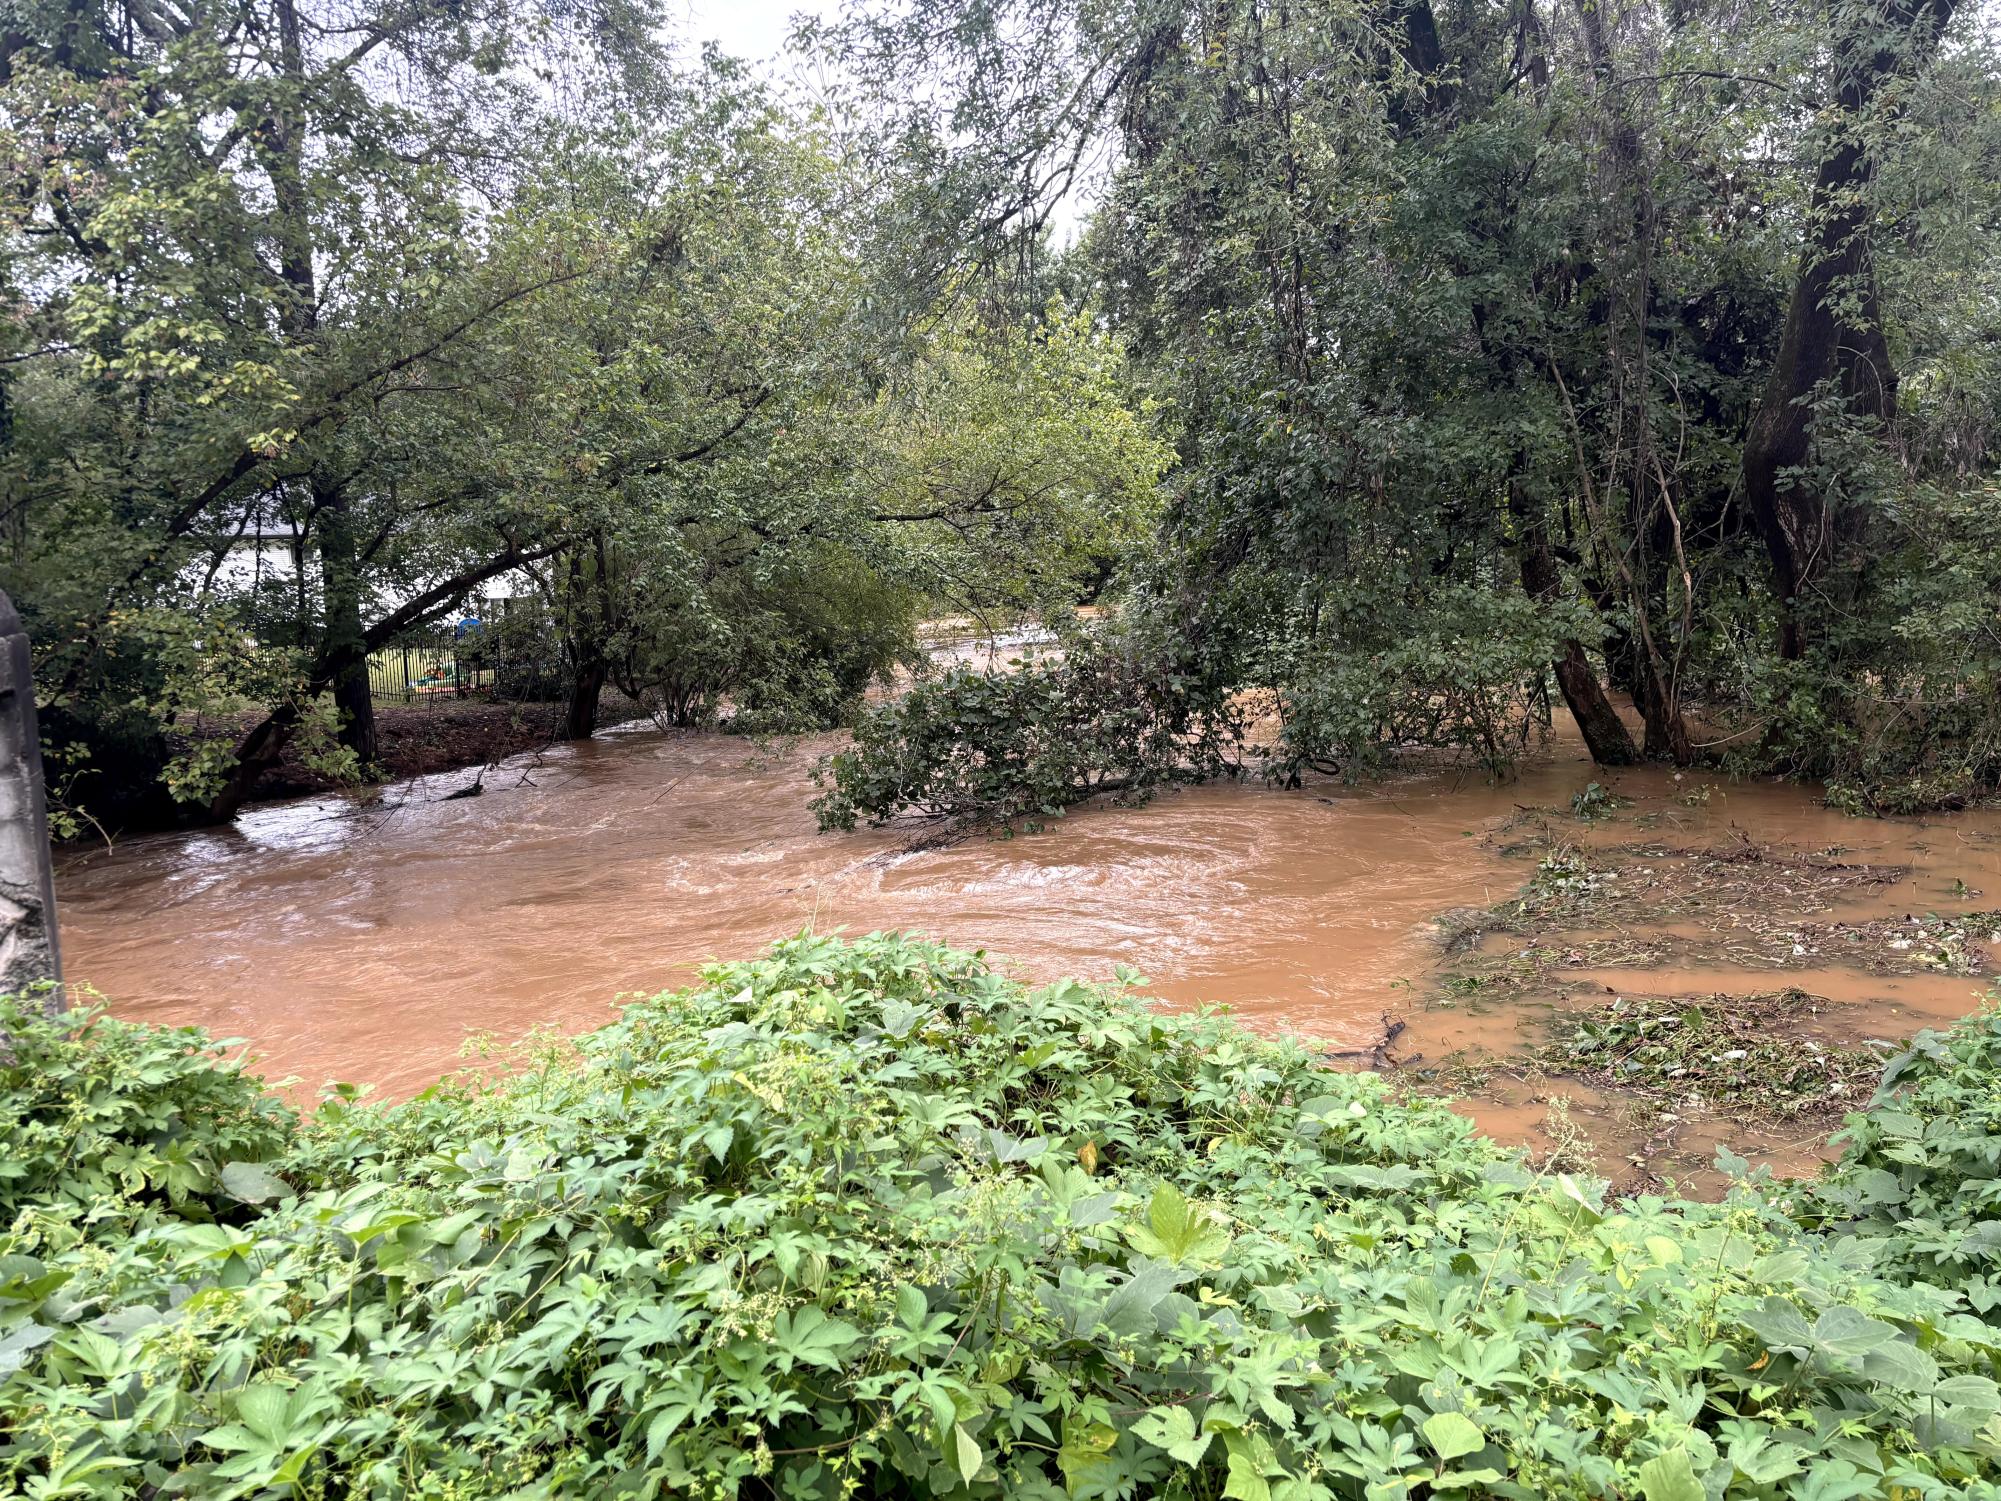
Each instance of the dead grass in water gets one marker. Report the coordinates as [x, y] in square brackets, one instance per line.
[1666, 1077]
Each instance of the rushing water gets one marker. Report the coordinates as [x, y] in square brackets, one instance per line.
[366, 938]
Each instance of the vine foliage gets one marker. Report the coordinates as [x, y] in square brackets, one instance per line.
[870, 1218]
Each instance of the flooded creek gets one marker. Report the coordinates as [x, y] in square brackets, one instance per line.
[366, 938]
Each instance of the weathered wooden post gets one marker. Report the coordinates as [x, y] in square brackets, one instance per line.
[29, 951]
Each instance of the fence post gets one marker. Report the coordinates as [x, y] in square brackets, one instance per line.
[29, 947]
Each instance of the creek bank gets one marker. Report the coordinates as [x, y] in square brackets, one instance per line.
[877, 1206]
[450, 733]
[415, 740]
[1642, 1001]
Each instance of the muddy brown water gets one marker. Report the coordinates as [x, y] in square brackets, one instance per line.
[366, 938]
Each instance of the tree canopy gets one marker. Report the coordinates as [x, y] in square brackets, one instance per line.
[1647, 348]
[1416, 367]
[444, 296]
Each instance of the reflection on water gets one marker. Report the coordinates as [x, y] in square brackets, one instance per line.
[364, 938]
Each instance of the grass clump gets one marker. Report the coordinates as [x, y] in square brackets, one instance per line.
[1742, 1054]
[870, 1219]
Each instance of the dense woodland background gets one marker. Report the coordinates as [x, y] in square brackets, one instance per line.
[1420, 370]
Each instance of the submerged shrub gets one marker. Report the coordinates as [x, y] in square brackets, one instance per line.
[871, 1219]
[1110, 716]
[1472, 679]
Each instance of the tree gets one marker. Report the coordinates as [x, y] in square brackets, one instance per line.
[991, 470]
[240, 236]
[1835, 338]
[1447, 302]
[297, 277]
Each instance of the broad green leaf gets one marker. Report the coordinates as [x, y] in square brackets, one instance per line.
[1252, 1467]
[1453, 1435]
[1084, 1456]
[1128, 1309]
[1173, 1429]
[1978, 1393]
[1244, 1482]
[809, 1337]
[363, 1230]
[718, 1139]
[253, 1183]
[1762, 1461]
[1591, 1203]
[19, 1344]
[1670, 1477]
[1903, 1367]
[1459, 1480]
[1093, 1209]
[899, 1017]
[1780, 1326]
[1177, 1231]
[1842, 1331]
[966, 1453]
[265, 1409]
[1836, 1480]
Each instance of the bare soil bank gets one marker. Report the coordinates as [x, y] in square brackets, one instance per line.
[423, 739]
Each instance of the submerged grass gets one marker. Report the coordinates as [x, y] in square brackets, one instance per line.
[870, 1219]
[1743, 1055]
[1663, 1063]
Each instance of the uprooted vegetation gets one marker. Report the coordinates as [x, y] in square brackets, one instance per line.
[869, 1218]
[1611, 962]
[1745, 1057]
[1754, 906]
[1015, 747]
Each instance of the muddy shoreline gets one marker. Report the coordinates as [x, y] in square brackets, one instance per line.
[1652, 993]
[416, 740]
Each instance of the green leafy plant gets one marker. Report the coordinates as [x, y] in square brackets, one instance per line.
[107, 1120]
[1469, 678]
[1595, 802]
[1015, 746]
[868, 1218]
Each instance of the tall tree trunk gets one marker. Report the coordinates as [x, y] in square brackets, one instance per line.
[580, 718]
[356, 703]
[589, 608]
[343, 632]
[256, 754]
[282, 146]
[1629, 181]
[1660, 706]
[260, 749]
[1834, 331]
[1605, 734]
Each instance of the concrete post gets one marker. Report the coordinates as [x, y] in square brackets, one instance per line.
[29, 950]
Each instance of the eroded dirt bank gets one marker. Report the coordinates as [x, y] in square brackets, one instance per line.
[367, 937]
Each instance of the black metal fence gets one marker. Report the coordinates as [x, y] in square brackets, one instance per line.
[509, 650]
[421, 673]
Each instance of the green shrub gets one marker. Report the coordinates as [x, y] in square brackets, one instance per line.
[1108, 717]
[870, 1219]
[1921, 1178]
[111, 1121]
[1471, 679]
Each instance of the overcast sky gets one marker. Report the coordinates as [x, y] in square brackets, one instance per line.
[753, 29]
[756, 30]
